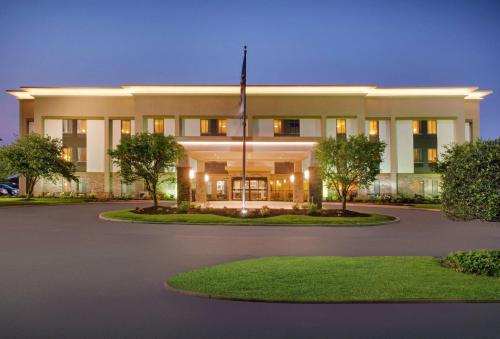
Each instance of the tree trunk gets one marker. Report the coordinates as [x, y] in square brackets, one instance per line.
[155, 198]
[29, 188]
[344, 201]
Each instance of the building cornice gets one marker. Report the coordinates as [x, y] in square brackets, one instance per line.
[469, 93]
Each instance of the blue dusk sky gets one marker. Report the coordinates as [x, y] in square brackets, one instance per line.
[384, 43]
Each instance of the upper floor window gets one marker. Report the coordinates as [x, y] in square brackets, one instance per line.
[217, 127]
[287, 127]
[431, 155]
[68, 126]
[81, 126]
[158, 126]
[67, 153]
[82, 154]
[428, 127]
[126, 128]
[431, 127]
[341, 128]
[417, 127]
[373, 129]
[417, 155]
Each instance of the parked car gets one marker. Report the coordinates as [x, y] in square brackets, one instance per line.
[8, 190]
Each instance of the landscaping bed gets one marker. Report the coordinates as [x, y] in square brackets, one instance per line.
[337, 279]
[262, 212]
[209, 217]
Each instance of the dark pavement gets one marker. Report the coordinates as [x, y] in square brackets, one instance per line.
[65, 273]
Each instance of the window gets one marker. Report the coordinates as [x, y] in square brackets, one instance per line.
[82, 154]
[287, 127]
[67, 153]
[67, 126]
[431, 127]
[431, 155]
[416, 127]
[341, 126]
[278, 127]
[81, 126]
[205, 127]
[158, 126]
[213, 127]
[221, 126]
[373, 130]
[126, 128]
[417, 155]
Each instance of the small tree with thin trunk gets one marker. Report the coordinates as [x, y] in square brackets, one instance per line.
[346, 164]
[34, 157]
[148, 157]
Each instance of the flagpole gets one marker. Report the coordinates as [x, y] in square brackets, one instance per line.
[244, 85]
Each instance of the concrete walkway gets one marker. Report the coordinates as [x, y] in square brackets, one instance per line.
[67, 274]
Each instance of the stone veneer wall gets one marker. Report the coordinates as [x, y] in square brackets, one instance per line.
[90, 182]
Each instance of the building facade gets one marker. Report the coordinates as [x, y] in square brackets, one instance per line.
[284, 125]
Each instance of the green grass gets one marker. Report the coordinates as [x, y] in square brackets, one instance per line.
[39, 201]
[429, 206]
[128, 215]
[338, 279]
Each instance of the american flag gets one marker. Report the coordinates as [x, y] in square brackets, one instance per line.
[243, 85]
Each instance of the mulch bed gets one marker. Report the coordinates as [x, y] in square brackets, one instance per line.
[252, 213]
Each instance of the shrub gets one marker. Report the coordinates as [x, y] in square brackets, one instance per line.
[295, 207]
[265, 211]
[183, 206]
[482, 262]
[471, 180]
[311, 208]
[385, 198]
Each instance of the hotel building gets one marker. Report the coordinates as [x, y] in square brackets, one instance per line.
[284, 125]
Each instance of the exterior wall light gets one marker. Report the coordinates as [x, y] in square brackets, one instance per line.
[292, 178]
[206, 177]
[191, 174]
[306, 174]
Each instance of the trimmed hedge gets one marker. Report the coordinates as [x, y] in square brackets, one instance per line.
[481, 262]
[471, 180]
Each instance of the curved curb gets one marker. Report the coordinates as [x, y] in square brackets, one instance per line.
[392, 301]
[102, 217]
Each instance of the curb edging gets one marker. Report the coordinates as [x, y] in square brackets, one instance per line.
[102, 217]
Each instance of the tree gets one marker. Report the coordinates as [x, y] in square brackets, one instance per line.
[470, 180]
[34, 157]
[147, 156]
[350, 163]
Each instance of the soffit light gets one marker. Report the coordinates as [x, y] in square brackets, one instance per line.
[370, 91]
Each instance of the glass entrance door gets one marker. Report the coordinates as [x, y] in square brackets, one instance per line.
[255, 188]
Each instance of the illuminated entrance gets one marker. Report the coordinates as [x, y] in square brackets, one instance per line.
[256, 189]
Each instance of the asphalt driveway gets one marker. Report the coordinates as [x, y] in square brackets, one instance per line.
[65, 273]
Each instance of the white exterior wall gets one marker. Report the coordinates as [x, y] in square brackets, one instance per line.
[169, 126]
[234, 127]
[310, 127]
[445, 134]
[264, 128]
[53, 128]
[467, 132]
[384, 127]
[116, 137]
[331, 128]
[191, 127]
[351, 127]
[404, 139]
[95, 146]
[116, 134]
